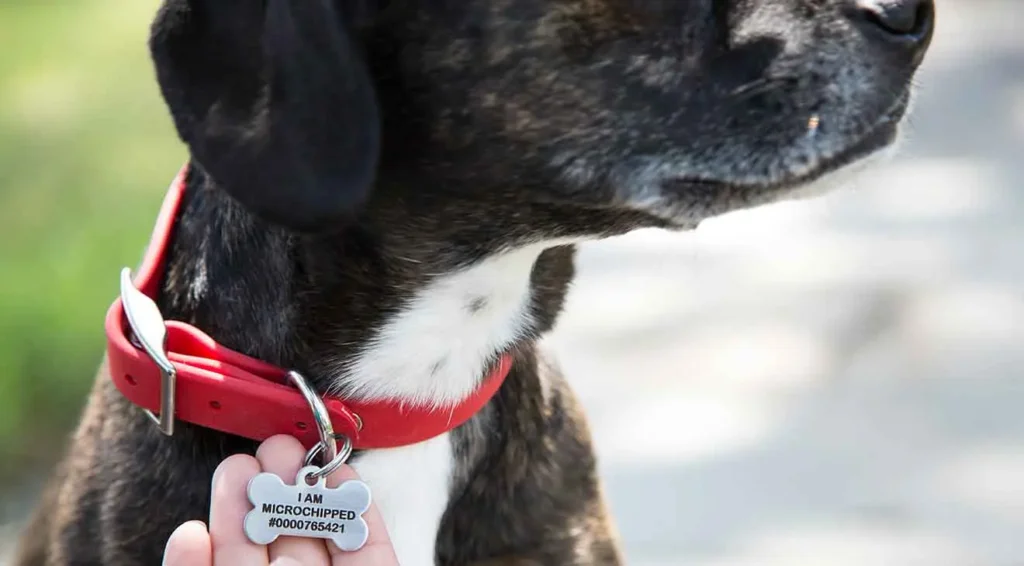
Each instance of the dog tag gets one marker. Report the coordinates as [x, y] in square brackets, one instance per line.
[303, 510]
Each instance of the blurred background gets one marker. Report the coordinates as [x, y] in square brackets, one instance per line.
[837, 381]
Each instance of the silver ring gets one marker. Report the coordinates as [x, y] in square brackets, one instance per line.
[335, 463]
[328, 445]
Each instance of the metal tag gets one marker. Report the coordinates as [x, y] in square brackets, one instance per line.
[303, 510]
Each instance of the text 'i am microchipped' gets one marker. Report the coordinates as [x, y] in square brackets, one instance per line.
[303, 510]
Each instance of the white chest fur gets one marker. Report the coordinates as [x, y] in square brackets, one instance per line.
[435, 350]
[410, 487]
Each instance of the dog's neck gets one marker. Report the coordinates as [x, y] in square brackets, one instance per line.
[437, 345]
[360, 314]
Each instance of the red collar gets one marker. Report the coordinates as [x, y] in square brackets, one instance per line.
[221, 389]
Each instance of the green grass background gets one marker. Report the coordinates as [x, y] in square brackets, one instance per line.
[86, 151]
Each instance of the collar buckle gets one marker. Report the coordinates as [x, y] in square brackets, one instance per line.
[149, 333]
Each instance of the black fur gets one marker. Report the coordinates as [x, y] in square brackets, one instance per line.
[345, 154]
[274, 101]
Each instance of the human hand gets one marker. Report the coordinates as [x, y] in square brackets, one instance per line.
[225, 543]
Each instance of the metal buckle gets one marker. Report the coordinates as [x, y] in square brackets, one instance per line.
[328, 444]
[150, 334]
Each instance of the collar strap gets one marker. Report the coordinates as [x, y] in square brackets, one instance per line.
[160, 365]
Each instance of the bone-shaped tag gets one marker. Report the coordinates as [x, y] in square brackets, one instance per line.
[304, 510]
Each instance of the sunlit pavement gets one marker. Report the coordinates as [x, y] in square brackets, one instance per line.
[837, 381]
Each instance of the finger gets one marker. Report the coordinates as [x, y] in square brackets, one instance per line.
[378, 550]
[228, 507]
[189, 545]
[282, 456]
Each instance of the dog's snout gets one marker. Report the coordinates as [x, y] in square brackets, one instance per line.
[905, 23]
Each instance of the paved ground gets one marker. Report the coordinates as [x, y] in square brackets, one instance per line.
[837, 381]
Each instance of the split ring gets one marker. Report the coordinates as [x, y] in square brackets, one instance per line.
[334, 463]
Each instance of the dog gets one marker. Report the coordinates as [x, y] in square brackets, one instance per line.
[386, 195]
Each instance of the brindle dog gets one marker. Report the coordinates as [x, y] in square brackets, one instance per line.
[385, 195]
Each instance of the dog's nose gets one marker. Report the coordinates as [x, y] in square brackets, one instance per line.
[904, 22]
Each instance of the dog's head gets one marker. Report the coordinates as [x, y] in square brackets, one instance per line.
[660, 111]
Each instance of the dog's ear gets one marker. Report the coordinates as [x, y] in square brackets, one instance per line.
[274, 101]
